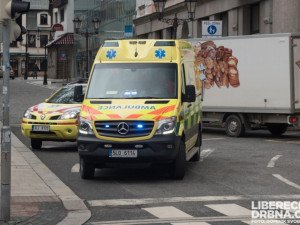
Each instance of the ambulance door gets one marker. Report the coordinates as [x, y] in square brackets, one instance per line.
[190, 119]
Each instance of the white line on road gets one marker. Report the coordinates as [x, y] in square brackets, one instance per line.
[170, 212]
[75, 168]
[145, 201]
[273, 160]
[205, 153]
[234, 210]
[230, 209]
[288, 182]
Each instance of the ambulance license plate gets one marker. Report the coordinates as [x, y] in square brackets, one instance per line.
[123, 153]
[41, 128]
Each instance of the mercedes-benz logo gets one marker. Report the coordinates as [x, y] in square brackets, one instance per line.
[123, 128]
[43, 116]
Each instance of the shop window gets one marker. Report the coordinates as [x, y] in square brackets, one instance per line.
[31, 62]
[44, 19]
[43, 65]
[43, 40]
[31, 40]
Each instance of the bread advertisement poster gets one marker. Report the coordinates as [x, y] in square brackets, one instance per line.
[217, 66]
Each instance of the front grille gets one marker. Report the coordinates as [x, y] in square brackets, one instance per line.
[110, 128]
[54, 117]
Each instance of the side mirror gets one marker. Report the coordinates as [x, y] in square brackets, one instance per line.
[190, 94]
[78, 94]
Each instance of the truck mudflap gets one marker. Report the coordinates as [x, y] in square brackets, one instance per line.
[161, 149]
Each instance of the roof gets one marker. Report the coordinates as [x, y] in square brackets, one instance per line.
[65, 39]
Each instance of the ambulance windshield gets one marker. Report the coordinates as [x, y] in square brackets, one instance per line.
[133, 80]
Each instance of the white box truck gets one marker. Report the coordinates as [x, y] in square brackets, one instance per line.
[250, 81]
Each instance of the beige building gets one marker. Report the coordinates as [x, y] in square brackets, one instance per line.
[239, 17]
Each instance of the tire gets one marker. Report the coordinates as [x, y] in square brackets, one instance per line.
[36, 143]
[234, 126]
[87, 170]
[198, 144]
[277, 128]
[177, 168]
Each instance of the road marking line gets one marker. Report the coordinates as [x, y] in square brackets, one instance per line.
[273, 160]
[205, 153]
[293, 142]
[233, 210]
[189, 220]
[230, 209]
[166, 212]
[212, 139]
[288, 182]
[275, 141]
[145, 201]
[170, 212]
[75, 168]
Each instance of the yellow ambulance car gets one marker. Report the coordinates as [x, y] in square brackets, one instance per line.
[142, 106]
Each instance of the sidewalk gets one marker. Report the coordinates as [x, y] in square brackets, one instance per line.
[38, 196]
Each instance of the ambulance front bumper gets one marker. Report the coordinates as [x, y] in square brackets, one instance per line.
[160, 149]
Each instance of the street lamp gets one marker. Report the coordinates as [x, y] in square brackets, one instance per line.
[52, 33]
[175, 22]
[77, 25]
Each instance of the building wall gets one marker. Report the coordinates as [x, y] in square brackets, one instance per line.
[275, 16]
[68, 20]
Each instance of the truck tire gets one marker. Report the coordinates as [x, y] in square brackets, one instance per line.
[234, 126]
[36, 143]
[198, 144]
[177, 167]
[87, 170]
[277, 128]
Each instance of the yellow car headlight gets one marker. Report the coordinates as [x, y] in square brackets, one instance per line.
[69, 115]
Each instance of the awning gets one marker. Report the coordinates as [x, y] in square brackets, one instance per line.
[65, 39]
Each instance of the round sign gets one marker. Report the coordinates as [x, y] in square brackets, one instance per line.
[212, 29]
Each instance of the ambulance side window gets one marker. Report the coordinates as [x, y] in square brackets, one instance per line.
[182, 79]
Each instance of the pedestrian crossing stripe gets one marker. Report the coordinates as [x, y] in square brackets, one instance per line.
[174, 216]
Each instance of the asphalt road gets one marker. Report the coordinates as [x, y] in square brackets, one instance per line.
[232, 174]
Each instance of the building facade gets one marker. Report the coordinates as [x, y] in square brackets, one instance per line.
[31, 49]
[116, 22]
[238, 17]
[60, 50]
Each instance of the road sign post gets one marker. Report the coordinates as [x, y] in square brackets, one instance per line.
[211, 28]
[5, 131]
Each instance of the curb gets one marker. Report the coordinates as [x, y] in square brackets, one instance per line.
[78, 213]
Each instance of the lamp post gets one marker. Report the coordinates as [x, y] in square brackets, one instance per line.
[77, 25]
[52, 33]
[175, 22]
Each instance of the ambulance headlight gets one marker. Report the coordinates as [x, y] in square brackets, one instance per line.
[85, 126]
[27, 114]
[69, 115]
[166, 126]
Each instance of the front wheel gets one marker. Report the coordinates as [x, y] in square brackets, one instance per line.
[177, 168]
[234, 126]
[36, 143]
[87, 170]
